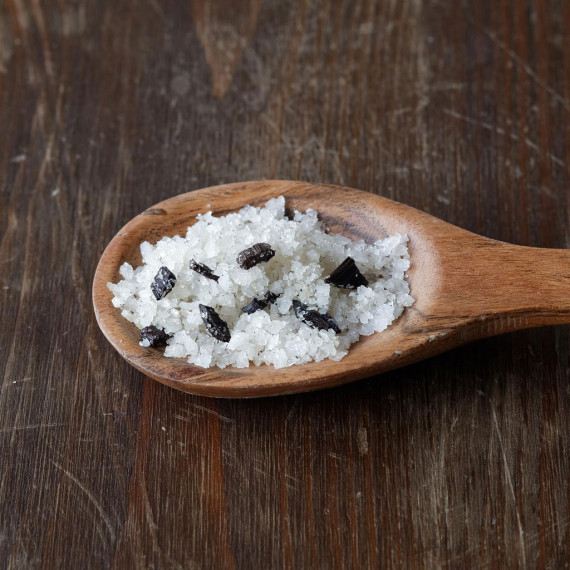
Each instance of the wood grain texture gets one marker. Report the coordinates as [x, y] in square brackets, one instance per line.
[502, 288]
[460, 109]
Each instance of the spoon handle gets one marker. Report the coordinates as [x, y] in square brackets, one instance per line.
[508, 287]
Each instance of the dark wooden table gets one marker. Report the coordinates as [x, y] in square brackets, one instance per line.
[460, 108]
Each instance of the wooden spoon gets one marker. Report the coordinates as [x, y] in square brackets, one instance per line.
[466, 287]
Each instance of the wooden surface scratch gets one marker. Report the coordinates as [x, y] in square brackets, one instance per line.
[460, 108]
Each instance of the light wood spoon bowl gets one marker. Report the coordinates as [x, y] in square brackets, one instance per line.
[466, 287]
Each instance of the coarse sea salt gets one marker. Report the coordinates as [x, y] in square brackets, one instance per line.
[305, 254]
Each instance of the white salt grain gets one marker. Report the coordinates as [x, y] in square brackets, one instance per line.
[304, 255]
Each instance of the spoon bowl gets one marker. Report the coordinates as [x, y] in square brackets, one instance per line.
[466, 287]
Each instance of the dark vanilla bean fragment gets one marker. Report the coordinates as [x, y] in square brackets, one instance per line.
[347, 275]
[313, 318]
[255, 254]
[254, 306]
[203, 269]
[271, 297]
[155, 336]
[163, 283]
[217, 327]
